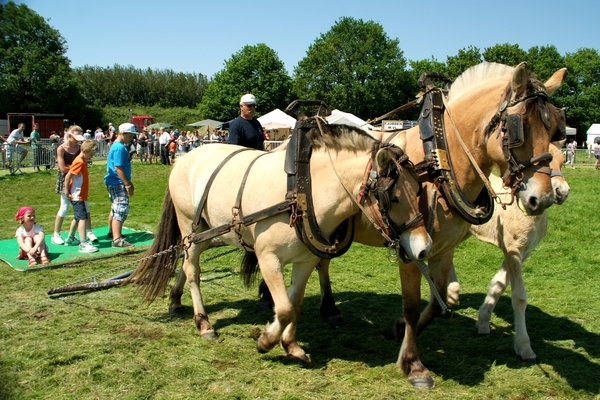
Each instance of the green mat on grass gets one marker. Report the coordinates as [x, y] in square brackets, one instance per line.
[60, 255]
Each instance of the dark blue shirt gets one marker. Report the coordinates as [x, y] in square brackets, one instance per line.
[246, 133]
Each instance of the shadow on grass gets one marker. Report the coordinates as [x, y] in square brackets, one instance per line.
[450, 347]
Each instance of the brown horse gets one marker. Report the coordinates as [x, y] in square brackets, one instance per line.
[473, 107]
[213, 175]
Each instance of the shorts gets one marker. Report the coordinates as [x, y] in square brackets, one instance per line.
[119, 200]
[79, 210]
[597, 157]
[10, 150]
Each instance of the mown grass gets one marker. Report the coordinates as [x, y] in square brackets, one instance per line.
[108, 344]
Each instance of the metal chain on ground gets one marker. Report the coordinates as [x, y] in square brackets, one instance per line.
[137, 261]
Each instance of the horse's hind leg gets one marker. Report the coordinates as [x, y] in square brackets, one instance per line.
[191, 269]
[175, 306]
[328, 309]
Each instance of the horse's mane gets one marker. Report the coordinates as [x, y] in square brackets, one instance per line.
[478, 75]
[341, 137]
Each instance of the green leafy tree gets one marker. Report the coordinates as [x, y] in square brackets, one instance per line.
[121, 86]
[581, 96]
[544, 61]
[466, 58]
[509, 54]
[35, 74]
[254, 69]
[355, 67]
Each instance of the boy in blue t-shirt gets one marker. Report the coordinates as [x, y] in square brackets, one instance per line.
[118, 183]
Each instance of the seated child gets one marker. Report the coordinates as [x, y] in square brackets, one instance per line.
[30, 237]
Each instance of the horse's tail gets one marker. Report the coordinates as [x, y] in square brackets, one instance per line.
[249, 268]
[154, 272]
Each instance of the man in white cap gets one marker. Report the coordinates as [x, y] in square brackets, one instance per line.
[118, 183]
[245, 130]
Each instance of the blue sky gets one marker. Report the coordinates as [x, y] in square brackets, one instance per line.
[199, 36]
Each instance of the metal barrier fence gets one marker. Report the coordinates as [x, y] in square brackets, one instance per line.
[44, 155]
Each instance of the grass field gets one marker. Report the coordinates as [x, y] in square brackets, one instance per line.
[109, 345]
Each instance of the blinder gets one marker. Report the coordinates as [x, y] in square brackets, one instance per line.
[513, 130]
[561, 131]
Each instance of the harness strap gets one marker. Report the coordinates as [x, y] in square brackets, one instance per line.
[249, 219]
[236, 209]
[209, 184]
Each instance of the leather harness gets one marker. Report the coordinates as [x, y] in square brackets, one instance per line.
[299, 201]
[437, 164]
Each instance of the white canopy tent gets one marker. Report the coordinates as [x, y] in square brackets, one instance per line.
[338, 117]
[593, 133]
[279, 117]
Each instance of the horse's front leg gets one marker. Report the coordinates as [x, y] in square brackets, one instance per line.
[439, 271]
[272, 272]
[522, 343]
[408, 360]
[453, 288]
[300, 274]
[497, 286]
[191, 269]
[328, 309]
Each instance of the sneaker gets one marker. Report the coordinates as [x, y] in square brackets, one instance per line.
[72, 241]
[91, 237]
[121, 242]
[87, 247]
[56, 239]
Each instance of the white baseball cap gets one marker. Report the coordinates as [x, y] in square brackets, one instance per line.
[248, 99]
[128, 128]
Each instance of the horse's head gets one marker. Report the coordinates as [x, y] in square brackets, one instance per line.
[559, 184]
[396, 187]
[519, 134]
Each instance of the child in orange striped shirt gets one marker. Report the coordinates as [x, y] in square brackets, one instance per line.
[76, 188]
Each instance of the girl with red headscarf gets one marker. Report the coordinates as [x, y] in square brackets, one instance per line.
[30, 237]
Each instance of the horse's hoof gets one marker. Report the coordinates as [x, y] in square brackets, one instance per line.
[260, 349]
[394, 330]
[422, 382]
[337, 321]
[531, 361]
[300, 360]
[176, 311]
[209, 335]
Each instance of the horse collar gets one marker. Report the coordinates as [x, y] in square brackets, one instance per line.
[437, 164]
[297, 167]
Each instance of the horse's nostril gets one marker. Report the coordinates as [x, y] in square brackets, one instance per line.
[533, 202]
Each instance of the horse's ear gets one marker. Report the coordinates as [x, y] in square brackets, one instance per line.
[555, 80]
[383, 162]
[520, 80]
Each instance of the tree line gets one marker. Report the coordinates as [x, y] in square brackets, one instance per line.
[354, 67]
